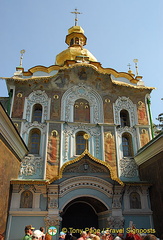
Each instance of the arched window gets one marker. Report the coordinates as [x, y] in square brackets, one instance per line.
[37, 113]
[80, 143]
[71, 42]
[135, 202]
[76, 40]
[26, 199]
[81, 111]
[34, 141]
[124, 116]
[127, 145]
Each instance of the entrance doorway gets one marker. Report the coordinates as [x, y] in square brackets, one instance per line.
[82, 213]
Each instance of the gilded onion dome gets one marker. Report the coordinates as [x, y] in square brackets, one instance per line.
[75, 40]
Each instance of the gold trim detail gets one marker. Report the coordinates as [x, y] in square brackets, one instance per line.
[55, 96]
[96, 65]
[107, 100]
[86, 136]
[19, 95]
[86, 152]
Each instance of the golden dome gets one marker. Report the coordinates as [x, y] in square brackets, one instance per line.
[76, 40]
[71, 53]
[76, 29]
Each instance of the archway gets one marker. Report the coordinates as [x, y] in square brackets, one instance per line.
[82, 213]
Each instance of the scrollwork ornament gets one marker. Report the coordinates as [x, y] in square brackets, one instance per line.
[52, 220]
[31, 165]
[128, 167]
[115, 222]
[126, 129]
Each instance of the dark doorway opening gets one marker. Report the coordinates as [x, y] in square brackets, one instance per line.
[79, 216]
[81, 213]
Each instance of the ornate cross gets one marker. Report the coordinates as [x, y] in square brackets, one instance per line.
[76, 15]
[129, 65]
[21, 57]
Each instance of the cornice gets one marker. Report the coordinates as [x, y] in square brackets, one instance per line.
[137, 212]
[131, 86]
[73, 64]
[28, 213]
[30, 181]
[41, 68]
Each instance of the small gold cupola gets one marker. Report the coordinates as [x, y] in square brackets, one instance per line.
[75, 52]
[76, 37]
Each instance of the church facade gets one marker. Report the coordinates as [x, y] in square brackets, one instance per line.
[83, 124]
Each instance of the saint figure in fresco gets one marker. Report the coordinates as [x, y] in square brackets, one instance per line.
[52, 147]
[144, 137]
[109, 148]
[142, 115]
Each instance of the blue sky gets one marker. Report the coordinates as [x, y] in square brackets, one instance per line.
[117, 31]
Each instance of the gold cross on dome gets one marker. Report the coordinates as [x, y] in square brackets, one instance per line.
[76, 15]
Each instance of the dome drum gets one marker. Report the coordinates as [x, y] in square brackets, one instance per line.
[76, 39]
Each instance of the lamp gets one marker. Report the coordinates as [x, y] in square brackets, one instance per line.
[85, 165]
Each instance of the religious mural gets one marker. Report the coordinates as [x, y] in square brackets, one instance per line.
[52, 155]
[26, 199]
[110, 151]
[18, 106]
[107, 109]
[81, 111]
[144, 137]
[142, 115]
[55, 106]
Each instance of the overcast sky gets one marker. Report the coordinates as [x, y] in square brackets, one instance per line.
[117, 32]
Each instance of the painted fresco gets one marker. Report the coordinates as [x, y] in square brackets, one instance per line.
[52, 155]
[18, 106]
[107, 109]
[110, 151]
[142, 115]
[81, 111]
[144, 137]
[55, 105]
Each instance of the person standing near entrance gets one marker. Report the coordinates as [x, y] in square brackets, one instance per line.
[62, 236]
[83, 236]
[28, 232]
[43, 234]
[119, 236]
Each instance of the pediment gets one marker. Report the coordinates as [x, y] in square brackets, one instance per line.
[86, 165]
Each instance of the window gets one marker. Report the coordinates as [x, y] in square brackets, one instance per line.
[71, 42]
[135, 202]
[124, 116]
[34, 141]
[37, 113]
[81, 111]
[26, 199]
[127, 145]
[76, 40]
[80, 143]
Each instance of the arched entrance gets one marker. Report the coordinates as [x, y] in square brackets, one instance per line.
[82, 213]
